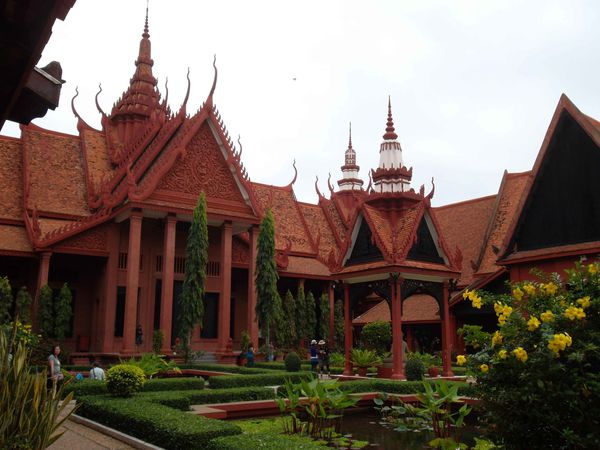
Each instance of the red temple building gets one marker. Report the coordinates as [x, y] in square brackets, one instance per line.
[108, 211]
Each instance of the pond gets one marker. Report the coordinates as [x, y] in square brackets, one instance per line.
[366, 426]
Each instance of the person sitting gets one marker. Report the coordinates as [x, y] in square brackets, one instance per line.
[97, 373]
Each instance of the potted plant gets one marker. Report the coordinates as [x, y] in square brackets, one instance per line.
[432, 362]
[363, 359]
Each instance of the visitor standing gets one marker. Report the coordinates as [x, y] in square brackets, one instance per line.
[97, 373]
[139, 334]
[314, 356]
[55, 376]
[323, 358]
[250, 357]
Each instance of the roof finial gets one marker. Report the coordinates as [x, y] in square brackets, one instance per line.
[146, 34]
[390, 133]
[350, 137]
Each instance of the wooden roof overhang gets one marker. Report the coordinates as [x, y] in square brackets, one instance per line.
[408, 270]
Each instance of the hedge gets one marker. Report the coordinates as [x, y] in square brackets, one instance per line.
[224, 368]
[154, 423]
[396, 387]
[268, 379]
[92, 387]
[182, 400]
[262, 442]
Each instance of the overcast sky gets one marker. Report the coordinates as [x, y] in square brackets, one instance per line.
[473, 83]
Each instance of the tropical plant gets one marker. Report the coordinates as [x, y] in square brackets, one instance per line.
[414, 369]
[123, 380]
[364, 358]
[311, 316]
[338, 325]
[30, 414]
[337, 359]
[245, 342]
[45, 315]
[6, 300]
[324, 316]
[541, 368]
[63, 312]
[292, 362]
[289, 404]
[288, 336]
[23, 305]
[152, 364]
[192, 294]
[157, 341]
[377, 336]
[268, 301]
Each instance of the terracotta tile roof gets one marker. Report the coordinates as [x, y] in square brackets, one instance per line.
[14, 238]
[420, 307]
[387, 267]
[96, 156]
[463, 225]
[336, 220]
[319, 228]
[584, 248]
[505, 210]
[308, 266]
[378, 313]
[55, 171]
[289, 223]
[11, 178]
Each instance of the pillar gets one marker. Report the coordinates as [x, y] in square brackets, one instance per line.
[133, 278]
[446, 336]
[398, 351]
[225, 297]
[108, 305]
[42, 280]
[252, 324]
[331, 314]
[168, 268]
[347, 330]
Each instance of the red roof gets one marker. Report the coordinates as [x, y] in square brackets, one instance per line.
[416, 308]
[11, 178]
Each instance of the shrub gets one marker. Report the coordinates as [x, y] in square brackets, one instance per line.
[152, 364]
[154, 423]
[292, 362]
[414, 369]
[261, 441]
[397, 387]
[541, 369]
[364, 358]
[223, 368]
[267, 379]
[123, 379]
[377, 336]
[183, 399]
[157, 341]
[93, 387]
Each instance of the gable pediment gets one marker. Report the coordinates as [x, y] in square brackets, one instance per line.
[363, 248]
[425, 247]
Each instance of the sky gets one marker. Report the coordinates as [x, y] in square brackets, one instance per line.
[473, 83]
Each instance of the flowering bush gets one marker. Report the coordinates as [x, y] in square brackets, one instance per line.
[123, 379]
[539, 374]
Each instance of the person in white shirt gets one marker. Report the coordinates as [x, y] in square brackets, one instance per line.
[97, 373]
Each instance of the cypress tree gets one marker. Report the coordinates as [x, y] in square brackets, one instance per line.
[324, 316]
[45, 313]
[24, 305]
[338, 324]
[268, 301]
[311, 315]
[5, 300]
[192, 294]
[301, 330]
[62, 312]
[289, 321]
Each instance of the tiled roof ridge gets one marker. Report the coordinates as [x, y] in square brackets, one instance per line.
[454, 259]
[464, 202]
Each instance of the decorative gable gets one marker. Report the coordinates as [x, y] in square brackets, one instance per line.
[424, 248]
[364, 248]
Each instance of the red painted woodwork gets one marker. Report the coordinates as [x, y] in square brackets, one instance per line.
[109, 301]
[347, 330]
[225, 297]
[166, 306]
[331, 314]
[446, 335]
[42, 280]
[397, 351]
[251, 322]
[133, 276]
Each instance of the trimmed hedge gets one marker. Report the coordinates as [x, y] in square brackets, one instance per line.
[397, 387]
[154, 423]
[305, 366]
[182, 400]
[223, 368]
[267, 379]
[92, 387]
[261, 442]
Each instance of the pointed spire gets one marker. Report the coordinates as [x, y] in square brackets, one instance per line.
[390, 132]
[350, 137]
[350, 180]
[146, 34]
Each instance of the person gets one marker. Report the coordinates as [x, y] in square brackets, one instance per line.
[55, 376]
[138, 335]
[271, 355]
[250, 357]
[314, 358]
[97, 373]
[323, 358]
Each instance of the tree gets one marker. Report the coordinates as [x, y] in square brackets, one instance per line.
[192, 294]
[300, 315]
[311, 315]
[5, 300]
[46, 312]
[289, 321]
[324, 316]
[24, 305]
[338, 324]
[268, 301]
[62, 312]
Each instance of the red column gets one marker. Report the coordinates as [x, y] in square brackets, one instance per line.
[398, 352]
[225, 298]
[44, 269]
[133, 278]
[252, 324]
[446, 337]
[166, 301]
[109, 303]
[331, 314]
[347, 330]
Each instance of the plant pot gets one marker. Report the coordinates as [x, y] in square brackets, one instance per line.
[362, 371]
[433, 371]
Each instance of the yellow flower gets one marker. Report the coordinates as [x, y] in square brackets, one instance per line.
[496, 338]
[529, 289]
[466, 294]
[573, 313]
[507, 310]
[559, 342]
[502, 354]
[461, 359]
[502, 319]
[520, 354]
[498, 307]
[517, 293]
[584, 302]
[550, 288]
[484, 368]
[547, 316]
[592, 269]
[476, 302]
[533, 323]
